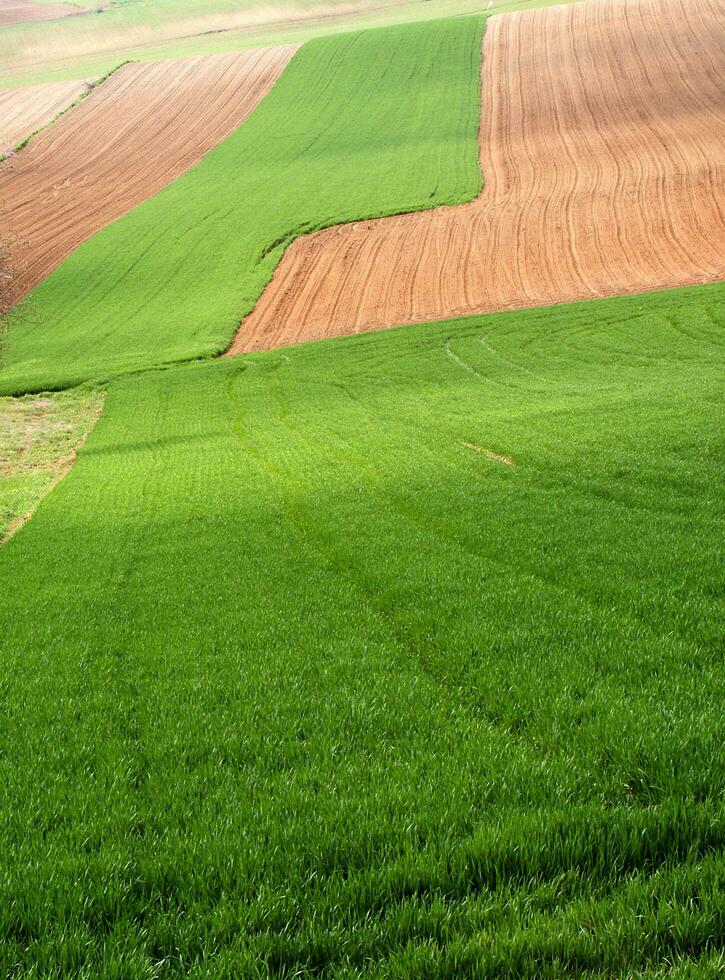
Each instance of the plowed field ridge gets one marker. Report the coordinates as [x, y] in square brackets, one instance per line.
[25, 109]
[602, 150]
[140, 129]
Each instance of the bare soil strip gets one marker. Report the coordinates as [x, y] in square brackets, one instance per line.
[25, 109]
[603, 153]
[135, 133]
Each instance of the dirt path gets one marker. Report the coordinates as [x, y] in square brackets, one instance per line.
[603, 153]
[139, 130]
[23, 110]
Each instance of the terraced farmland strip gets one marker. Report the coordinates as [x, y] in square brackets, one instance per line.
[25, 109]
[602, 149]
[369, 123]
[154, 29]
[295, 683]
[144, 126]
[25, 11]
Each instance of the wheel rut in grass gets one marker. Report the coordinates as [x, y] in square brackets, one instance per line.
[601, 145]
[489, 454]
[143, 127]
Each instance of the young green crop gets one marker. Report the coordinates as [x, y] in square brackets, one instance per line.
[358, 125]
[298, 681]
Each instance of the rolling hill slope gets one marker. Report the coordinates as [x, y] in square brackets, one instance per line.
[315, 682]
[172, 279]
[144, 126]
[602, 134]
[389, 656]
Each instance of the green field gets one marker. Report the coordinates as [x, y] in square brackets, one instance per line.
[359, 125]
[310, 687]
[391, 656]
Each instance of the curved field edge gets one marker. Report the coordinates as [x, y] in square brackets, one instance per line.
[88, 89]
[95, 167]
[39, 439]
[40, 121]
[317, 688]
[23, 111]
[601, 147]
[360, 125]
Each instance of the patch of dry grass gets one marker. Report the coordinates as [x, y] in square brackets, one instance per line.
[39, 437]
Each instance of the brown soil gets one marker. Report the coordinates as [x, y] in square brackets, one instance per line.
[23, 11]
[139, 130]
[603, 153]
[23, 110]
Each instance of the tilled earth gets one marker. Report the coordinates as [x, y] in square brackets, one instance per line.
[602, 135]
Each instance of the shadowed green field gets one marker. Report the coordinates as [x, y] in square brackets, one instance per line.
[390, 656]
[311, 686]
[359, 125]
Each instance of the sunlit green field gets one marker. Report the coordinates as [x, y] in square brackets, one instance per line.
[309, 685]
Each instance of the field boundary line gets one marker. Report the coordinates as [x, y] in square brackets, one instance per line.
[309, 229]
[90, 88]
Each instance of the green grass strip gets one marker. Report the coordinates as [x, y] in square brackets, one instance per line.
[359, 125]
[297, 683]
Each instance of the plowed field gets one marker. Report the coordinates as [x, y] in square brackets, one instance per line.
[602, 135]
[25, 109]
[330, 143]
[139, 130]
